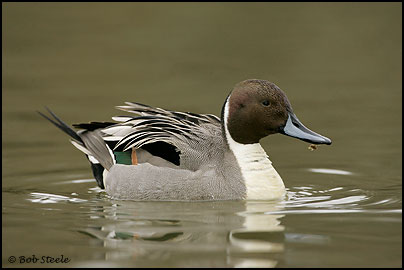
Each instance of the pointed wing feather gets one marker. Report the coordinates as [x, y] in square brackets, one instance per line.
[143, 109]
[180, 129]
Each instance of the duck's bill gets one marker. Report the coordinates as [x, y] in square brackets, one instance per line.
[295, 128]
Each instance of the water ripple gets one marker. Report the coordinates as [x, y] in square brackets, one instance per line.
[329, 171]
[334, 200]
[52, 198]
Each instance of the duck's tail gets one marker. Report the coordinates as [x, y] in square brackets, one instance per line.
[90, 143]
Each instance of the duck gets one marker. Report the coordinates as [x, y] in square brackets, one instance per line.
[155, 154]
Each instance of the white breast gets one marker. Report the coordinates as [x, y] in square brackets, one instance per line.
[262, 180]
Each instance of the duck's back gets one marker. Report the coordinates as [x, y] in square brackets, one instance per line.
[186, 140]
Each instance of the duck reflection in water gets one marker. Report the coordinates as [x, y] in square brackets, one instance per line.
[225, 232]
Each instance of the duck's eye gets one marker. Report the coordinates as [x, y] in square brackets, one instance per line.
[265, 103]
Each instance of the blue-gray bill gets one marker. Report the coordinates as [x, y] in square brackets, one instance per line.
[295, 128]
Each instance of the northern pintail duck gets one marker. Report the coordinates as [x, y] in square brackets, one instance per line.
[168, 155]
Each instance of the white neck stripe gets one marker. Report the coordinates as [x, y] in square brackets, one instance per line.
[261, 179]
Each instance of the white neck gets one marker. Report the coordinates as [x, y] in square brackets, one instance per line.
[261, 179]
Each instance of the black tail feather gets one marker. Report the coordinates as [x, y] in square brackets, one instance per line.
[97, 168]
[62, 125]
